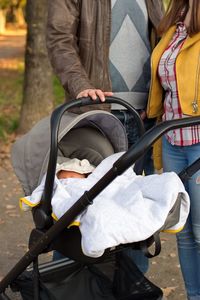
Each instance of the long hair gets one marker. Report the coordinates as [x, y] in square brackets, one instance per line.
[177, 11]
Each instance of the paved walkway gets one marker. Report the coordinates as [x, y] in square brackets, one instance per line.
[12, 47]
[12, 44]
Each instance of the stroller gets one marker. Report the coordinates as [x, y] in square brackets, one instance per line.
[93, 135]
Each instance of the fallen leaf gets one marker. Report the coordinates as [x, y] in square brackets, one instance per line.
[10, 206]
[172, 255]
[14, 215]
[22, 245]
[164, 239]
[169, 290]
[2, 221]
[7, 212]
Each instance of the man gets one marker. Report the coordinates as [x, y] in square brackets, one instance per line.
[81, 33]
[101, 48]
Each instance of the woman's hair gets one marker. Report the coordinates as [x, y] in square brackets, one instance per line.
[177, 11]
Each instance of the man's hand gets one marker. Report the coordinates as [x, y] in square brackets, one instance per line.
[94, 93]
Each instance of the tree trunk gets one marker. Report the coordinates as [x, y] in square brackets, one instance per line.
[38, 90]
[2, 21]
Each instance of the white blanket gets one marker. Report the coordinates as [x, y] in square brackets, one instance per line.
[130, 209]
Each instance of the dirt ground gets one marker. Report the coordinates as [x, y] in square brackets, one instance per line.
[15, 226]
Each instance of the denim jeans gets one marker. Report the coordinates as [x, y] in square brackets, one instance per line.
[176, 158]
[132, 131]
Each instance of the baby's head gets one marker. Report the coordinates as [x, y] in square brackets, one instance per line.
[62, 174]
[74, 168]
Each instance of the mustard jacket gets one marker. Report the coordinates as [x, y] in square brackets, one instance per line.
[187, 73]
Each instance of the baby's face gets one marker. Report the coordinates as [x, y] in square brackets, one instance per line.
[69, 174]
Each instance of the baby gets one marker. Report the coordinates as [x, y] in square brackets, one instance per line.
[66, 169]
[129, 209]
[74, 168]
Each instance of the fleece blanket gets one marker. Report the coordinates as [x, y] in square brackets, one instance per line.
[130, 209]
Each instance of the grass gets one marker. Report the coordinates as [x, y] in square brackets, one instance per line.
[58, 91]
[10, 98]
[11, 91]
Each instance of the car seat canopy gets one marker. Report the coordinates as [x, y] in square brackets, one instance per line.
[93, 135]
[86, 143]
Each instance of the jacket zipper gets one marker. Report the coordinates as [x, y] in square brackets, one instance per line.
[195, 101]
[150, 88]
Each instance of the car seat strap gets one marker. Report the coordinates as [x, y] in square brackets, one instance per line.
[157, 246]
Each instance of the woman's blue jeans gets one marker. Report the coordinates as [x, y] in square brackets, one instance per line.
[130, 124]
[176, 158]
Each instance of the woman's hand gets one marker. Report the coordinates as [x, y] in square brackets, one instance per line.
[94, 93]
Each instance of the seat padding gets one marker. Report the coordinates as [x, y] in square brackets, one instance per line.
[86, 143]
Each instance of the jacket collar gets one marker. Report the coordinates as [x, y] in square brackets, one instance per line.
[169, 34]
[191, 40]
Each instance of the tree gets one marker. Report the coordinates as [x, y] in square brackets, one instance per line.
[38, 91]
[2, 21]
[11, 11]
[3, 7]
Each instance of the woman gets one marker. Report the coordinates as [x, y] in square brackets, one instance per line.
[175, 93]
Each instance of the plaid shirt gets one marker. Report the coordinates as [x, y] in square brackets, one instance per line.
[172, 109]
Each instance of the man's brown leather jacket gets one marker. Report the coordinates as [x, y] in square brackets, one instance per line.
[78, 40]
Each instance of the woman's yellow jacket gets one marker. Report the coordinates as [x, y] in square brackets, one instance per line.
[187, 73]
[188, 82]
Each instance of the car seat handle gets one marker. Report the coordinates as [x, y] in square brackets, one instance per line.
[42, 214]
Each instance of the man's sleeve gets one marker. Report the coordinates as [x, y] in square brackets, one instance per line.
[62, 45]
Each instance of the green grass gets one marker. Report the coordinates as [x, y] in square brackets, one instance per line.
[11, 89]
[10, 100]
[58, 91]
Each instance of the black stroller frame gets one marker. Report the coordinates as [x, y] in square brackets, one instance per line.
[42, 236]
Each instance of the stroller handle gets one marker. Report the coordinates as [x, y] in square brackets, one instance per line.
[42, 214]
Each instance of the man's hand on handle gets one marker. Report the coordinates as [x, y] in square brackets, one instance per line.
[94, 94]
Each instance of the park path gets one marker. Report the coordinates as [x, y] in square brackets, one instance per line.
[15, 226]
[12, 44]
